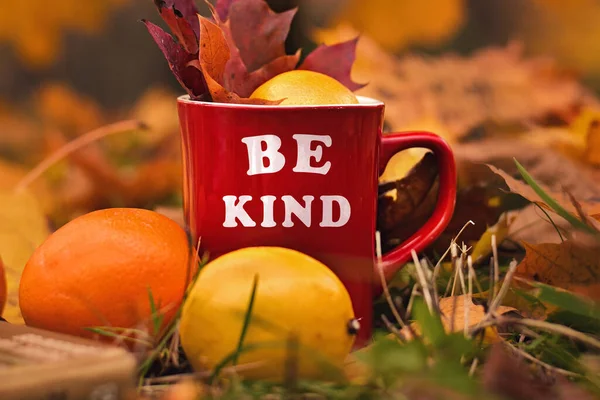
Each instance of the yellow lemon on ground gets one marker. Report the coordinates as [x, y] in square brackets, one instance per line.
[301, 311]
[302, 87]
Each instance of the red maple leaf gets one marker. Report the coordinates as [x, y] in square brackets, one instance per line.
[269, 31]
[238, 78]
[181, 18]
[335, 60]
[190, 78]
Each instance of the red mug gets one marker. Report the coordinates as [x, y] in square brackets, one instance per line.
[305, 178]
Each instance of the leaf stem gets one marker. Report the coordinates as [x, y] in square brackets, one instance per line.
[76, 144]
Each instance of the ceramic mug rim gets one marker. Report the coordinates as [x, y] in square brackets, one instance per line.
[363, 102]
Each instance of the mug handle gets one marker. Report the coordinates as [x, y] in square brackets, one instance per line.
[393, 143]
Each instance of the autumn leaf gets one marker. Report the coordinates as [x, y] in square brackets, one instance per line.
[185, 8]
[214, 54]
[565, 201]
[258, 32]
[23, 227]
[484, 247]
[237, 78]
[399, 199]
[222, 8]
[189, 77]
[569, 265]
[180, 16]
[455, 96]
[250, 49]
[459, 313]
[336, 61]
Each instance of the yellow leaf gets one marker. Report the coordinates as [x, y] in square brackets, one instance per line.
[483, 247]
[23, 228]
[11, 175]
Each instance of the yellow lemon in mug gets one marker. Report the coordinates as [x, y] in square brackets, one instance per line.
[301, 87]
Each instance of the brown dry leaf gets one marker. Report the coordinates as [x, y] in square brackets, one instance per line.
[531, 225]
[458, 313]
[535, 151]
[551, 168]
[570, 265]
[523, 189]
[399, 199]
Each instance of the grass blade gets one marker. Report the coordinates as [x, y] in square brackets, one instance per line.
[247, 319]
[567, 300]
[156, 316]
[574, 221]
[431, 323]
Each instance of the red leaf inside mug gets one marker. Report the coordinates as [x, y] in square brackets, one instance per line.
[254, 36]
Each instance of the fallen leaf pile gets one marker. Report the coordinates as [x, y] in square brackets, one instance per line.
[491, 106]
[135, 168]
[225, 58]
[455, 95]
